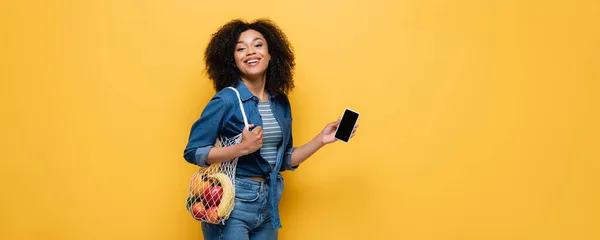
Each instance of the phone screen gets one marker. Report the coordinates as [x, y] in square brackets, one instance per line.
[344, 130]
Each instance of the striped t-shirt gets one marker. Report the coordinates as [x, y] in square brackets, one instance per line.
[272, 136]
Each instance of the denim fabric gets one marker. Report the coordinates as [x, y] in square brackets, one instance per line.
[250, 216]
[222, 116]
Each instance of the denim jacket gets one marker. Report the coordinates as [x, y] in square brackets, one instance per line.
[222, 115]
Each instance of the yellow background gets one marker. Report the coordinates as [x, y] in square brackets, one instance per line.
[479, 118]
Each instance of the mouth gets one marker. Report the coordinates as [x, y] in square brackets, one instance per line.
[252, 61]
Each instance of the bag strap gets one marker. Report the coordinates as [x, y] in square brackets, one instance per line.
[241, 107]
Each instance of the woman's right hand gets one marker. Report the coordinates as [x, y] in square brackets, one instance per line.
[251, 140]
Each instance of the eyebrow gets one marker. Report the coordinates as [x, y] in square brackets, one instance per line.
[252, 40]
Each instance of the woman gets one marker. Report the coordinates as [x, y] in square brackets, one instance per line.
[257, 59]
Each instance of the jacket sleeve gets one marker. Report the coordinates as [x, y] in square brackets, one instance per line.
[287, 156]
[205, 130]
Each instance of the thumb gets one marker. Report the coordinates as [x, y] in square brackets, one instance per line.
[333, 124]
[247, 128]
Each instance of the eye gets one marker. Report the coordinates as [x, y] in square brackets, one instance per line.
[258, 45]
[240, 49]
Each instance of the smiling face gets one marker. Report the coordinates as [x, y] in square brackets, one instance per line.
[252, 54]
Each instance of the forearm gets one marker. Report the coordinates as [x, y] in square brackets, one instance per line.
[305, 151]
[223, 154]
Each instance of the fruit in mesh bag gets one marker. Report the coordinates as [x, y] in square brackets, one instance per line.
[198, 210]
[224, 204]
[212, 215]
[212, 196]
[199, 184]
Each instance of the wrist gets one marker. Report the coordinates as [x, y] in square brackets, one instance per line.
[241, 150]
[319, 141]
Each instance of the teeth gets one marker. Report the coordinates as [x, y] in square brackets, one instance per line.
[253, 61]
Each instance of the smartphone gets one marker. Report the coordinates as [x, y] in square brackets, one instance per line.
[349, 120]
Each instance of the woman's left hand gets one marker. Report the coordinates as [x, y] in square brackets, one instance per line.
[327, 136]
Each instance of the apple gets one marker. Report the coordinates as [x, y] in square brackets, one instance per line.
[212, 196]
[198, 211]
[212, 215]
[198, 185]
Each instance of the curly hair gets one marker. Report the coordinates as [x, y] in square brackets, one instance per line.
[220, 62]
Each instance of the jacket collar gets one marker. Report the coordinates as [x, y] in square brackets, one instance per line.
[245, 93]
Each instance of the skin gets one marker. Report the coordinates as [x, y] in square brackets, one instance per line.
[252, 59]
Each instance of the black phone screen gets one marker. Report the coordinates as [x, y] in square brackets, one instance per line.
[346, 126]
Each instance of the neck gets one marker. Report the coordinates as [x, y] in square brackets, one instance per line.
[256, 85]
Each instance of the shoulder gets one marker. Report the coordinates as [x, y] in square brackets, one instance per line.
[286, 101]
[283, 99]
[226, 97]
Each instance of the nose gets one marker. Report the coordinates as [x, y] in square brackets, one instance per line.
[251, 51]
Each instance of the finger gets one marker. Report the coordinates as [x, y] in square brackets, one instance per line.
[257, 129]
[334, 124]
[336, 121]
[249, 126]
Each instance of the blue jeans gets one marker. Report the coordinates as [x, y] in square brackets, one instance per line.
[250, 216]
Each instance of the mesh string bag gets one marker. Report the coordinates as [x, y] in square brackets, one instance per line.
[212, 189]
